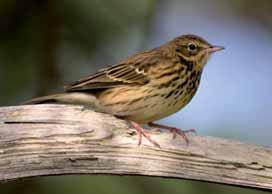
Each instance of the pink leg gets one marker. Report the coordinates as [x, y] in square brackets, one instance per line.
[141, 132]
[174, 130]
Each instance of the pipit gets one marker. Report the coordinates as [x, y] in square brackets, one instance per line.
[145, 87]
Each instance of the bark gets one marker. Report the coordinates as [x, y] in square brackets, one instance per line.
[43, 140]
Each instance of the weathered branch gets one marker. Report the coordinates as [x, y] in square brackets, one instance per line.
[60, 139]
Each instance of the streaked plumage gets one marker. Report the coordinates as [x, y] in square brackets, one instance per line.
[146, 86]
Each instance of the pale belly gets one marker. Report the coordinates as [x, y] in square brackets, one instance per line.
[159, 108]
[149, 109]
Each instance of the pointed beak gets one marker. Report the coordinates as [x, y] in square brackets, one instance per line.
[214, 48]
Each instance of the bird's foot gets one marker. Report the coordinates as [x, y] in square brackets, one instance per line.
[141, 132]
[174, 130]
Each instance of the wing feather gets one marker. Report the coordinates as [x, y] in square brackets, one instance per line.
[132, 71]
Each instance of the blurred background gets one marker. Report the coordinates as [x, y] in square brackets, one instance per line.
[46, 43]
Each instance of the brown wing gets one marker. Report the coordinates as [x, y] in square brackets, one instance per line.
[132, 71]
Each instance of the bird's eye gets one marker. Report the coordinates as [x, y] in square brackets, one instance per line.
[191, 47]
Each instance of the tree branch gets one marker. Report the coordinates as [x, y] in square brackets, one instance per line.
[63, 139]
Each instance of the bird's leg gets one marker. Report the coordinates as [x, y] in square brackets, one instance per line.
[141, 132]
[174, 130]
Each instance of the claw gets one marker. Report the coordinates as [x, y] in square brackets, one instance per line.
[175, 131]
[141, 132]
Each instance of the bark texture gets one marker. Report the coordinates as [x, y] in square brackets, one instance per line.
[40, 140]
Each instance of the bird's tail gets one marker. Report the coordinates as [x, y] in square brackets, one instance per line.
[65, 98]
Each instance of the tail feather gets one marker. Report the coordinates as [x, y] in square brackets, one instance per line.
[65, 98]
[42, 100]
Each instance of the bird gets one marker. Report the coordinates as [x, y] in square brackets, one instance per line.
[144, 87]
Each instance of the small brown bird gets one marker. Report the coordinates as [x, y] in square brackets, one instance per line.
[145, 87]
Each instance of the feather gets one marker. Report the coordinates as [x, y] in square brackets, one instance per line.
[132, 71]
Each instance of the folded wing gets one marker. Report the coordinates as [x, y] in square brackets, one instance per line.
[130, 72]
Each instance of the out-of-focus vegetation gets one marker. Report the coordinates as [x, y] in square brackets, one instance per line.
[37, 35]
[46, 43]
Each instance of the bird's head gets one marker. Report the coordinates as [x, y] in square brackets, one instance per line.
[194, 49]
